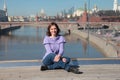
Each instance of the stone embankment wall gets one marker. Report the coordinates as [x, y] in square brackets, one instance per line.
[107, 48]
[8, 29]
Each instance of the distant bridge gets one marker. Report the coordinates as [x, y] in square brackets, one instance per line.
[63, 24]
[38, 23]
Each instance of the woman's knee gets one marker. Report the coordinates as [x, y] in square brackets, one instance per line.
[67, 59]
[48, 59]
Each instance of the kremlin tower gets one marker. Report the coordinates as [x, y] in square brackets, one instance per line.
[84, 17]
[116, 6]
[5, 8]
[3, 13]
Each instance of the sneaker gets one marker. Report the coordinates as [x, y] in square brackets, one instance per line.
[43, 68]
[74, 70]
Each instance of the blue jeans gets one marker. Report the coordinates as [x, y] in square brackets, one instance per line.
[49, 61]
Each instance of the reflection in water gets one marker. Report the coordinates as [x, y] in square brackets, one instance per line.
[37, 33]
[26, 44]
[6, 42]
[3, 46]
[84, 45]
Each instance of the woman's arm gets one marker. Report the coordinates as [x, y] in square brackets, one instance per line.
[47, 45]
[61, 49]
[48, 49]
[60, 53]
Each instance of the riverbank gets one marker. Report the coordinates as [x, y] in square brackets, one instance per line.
[8, 28]
[109, 50]
[90, 72]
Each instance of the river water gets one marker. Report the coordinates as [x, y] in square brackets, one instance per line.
[26, 44]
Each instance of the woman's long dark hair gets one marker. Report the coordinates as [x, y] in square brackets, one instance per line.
[48, 29]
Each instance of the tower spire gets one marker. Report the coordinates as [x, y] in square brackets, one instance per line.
[5, 8]
[115, 5]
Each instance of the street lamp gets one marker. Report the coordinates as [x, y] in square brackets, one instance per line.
[88, 19]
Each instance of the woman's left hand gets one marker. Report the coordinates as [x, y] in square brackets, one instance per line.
[64, 59]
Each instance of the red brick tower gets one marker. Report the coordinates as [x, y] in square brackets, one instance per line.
[37, 18]
[84, 17]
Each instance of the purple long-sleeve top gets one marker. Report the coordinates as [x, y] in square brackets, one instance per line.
[54, 45]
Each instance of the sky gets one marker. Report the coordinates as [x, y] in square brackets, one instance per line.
[51, 7]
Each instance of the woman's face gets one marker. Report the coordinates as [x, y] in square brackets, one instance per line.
[53, 30]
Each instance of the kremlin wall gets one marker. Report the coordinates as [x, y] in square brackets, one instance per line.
[101, 15]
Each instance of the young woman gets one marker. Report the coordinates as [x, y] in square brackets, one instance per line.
[54, 45]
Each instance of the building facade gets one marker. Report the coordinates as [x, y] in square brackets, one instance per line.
[4, 14]
[3, 17]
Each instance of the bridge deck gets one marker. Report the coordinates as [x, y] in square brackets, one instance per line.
[90, 72]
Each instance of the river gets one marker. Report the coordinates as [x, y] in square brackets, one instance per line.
[26, 44]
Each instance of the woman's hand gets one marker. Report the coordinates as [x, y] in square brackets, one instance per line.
[57, 58]
[64, 59]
